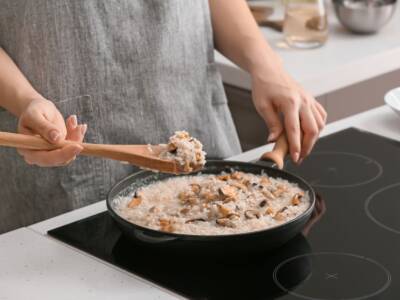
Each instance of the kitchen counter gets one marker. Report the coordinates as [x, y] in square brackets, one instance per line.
[35, 266]
[345, 60]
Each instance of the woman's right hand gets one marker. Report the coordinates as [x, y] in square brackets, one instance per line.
[41, 117]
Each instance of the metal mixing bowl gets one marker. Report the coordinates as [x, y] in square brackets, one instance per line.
[364, 16]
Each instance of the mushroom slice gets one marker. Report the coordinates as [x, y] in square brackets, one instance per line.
[279, 216]
[172, 148]
[269, 211]
[227, 191]
[166, 225]
[225, 222]
[262, 203]
[154, 209]
[279, 191]
[134, 202]
[296, 200]
[265, 181]
[195, 188]
[209, 196]
[195, 220]
[223, 211]
[187, 198]
[239, 185]
[223, 177]
[184, 210]
[252, 214]
[237, 175]
[268, 194]
[233, 216]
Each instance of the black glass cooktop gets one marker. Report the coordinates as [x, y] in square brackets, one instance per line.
[349, 250]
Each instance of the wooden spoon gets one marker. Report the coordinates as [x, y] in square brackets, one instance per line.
[277, 155]
[143, 156]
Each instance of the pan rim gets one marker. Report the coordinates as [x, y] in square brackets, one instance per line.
[306, 213]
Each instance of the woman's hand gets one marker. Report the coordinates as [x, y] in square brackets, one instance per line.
[42, 117]
[283, 104]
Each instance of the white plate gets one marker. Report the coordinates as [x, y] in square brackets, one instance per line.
[392, 99]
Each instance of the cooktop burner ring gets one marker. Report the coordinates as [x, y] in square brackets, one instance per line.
[333, 276]
[369, 212]
[378, 169]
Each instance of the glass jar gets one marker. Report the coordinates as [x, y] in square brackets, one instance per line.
[306, 23]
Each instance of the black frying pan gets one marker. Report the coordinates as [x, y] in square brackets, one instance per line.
[251, 242]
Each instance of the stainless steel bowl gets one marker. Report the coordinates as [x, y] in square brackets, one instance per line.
[364, 16]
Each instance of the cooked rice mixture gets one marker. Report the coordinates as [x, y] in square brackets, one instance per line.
[214, 204]
[185, 150]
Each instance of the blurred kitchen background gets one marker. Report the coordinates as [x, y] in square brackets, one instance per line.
[345, 52]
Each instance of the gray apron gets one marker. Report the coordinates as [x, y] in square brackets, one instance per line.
[133, 70]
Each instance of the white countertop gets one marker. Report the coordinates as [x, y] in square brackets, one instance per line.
[35, 266]
[345, 59]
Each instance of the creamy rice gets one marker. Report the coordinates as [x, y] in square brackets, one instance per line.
[214, 204]
[185, 150]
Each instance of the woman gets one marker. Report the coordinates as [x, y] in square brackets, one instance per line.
[134, 71]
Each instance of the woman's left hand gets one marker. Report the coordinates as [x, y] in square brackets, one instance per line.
[284, 104]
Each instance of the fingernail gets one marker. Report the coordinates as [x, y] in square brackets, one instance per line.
[300, 161]
[296, 156]
[74, 121]
[54, 135]
[83, 129]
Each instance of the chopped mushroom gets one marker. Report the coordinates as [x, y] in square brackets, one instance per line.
[184, 211]
[223, 211]
[134, 202]
[269, 211]
[233, 216]
[268, 194]
[166, 225]
[237, 175]
[225, 222]
[265, 181]
[297, 199]
[252, 214]
[239, 185]
[209, 196]
[279, 191]
[262, 203]
[279, 217]
[227, 192]
[195, 220]
[195, 188]
[223, 177]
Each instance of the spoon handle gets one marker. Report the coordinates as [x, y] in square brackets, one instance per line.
[24, 141]
[277, 155]
[139, 155]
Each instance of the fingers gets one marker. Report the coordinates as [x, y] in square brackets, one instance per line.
[59, 157]
[273, 121]
[75, 132]
[321, 111]
[310, 130]
[292, 126]
[318, 118]
[36, 120]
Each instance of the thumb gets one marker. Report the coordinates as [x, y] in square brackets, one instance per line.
[273, 121]
[52, 132]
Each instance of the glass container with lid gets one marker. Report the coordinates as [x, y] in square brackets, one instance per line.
[305, 24]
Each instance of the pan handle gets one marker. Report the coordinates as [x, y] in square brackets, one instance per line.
[277, 155]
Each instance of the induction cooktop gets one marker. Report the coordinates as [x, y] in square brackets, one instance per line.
[349, 250]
